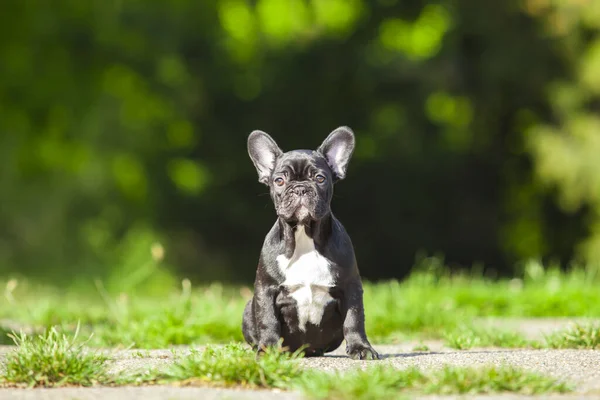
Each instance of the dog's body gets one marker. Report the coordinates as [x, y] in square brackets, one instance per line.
[307, 290]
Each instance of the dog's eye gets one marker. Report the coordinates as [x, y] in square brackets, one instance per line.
[279, 181]
[320, 178]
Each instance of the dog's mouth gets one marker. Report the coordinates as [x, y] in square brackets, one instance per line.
[304, 208]
[299, 214]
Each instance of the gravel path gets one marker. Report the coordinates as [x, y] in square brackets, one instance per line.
[580, 367]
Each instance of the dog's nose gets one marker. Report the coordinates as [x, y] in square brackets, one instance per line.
[300, 190]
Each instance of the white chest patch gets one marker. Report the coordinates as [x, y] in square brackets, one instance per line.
[308, 277]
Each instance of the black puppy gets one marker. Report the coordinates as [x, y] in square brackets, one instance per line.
[308, 289]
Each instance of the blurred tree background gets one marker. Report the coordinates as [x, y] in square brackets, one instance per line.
[123, 129]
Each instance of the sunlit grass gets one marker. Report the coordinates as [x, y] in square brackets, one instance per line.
[432, 303]
[576, 336]
[384, 382]
[208, 314]
[421, 347]
[52, 359]
[468, 337]
[235, 365]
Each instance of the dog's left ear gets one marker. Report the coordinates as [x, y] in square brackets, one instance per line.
[337, 149]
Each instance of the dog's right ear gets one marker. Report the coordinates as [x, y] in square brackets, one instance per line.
[264, 152]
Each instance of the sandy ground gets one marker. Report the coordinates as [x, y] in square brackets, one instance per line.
[579, 367]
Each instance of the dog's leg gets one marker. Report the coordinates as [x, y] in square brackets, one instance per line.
[249, 325]
[357, 344]
[266, 315]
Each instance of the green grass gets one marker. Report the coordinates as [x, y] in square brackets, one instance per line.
[383, 382]
[577, 336]
[234, 364]
[469, 337]
[53, 359]
[421, 347]
[50, 360]
[432, 303]
[186, 316]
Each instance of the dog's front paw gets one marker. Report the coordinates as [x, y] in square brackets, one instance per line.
[265, 345]
[362, 352]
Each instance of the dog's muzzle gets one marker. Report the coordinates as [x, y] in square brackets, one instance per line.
[298, 202]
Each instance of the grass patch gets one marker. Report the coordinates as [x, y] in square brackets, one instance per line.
[237, 365]
[433, 300]
[421, 347]
[469, 337]
[431, 303]
[576, 336]
[183, 317]
[54, 359]
[212, 314]
[234, 364]
[51, 360]
[387, 383]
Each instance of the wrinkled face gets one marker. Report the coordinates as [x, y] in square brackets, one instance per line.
[301, 181]
[301, 186]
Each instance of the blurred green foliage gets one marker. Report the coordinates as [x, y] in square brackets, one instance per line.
[567, 152]
[123, 127]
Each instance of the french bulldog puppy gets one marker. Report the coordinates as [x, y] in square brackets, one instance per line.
[308, 289]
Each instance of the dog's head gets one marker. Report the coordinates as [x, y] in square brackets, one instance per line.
[301, 181]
